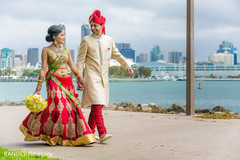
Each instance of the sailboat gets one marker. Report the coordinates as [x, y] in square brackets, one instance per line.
[180, 75]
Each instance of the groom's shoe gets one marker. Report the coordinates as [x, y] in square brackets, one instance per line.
[105, 137]
[97, 138]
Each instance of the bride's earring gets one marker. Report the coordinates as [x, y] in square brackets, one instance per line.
[55, 41]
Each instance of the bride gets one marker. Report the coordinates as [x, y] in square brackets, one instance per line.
[62, 121]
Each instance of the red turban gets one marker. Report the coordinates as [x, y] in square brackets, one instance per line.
[96, 17]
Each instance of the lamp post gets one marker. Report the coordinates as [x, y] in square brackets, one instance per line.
[190, 105]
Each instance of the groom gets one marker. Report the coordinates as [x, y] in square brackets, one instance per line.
[96, 51]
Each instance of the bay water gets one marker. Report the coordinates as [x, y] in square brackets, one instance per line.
[162, 93]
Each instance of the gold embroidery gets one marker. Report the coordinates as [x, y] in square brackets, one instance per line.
[35, 125]
[86, 139]
[48, 127]
[30, 119]
[53, 93]
[51, 107]
[80, 126]
[60, 106]
[59, 95]
[64, 95]
[74, 106]
[69, 107]
[58, 127]
[70, 128]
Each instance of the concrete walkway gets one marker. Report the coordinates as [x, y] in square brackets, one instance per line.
[137, 136]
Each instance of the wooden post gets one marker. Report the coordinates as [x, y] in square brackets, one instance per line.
[190, 105]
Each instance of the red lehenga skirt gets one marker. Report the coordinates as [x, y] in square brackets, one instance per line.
[61, 122]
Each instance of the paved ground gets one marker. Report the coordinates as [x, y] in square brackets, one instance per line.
[138, 136]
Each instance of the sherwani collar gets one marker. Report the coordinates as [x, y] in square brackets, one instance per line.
[97, 37]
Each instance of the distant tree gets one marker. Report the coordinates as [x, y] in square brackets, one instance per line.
[8, 71]
[35, 73]
[114, 71]
[238, 76]
[123, 72]
[230, 76]
[120, 72]
[14, 73]
[212, 76]
[26, 72]
[144, 72]
[135, 73]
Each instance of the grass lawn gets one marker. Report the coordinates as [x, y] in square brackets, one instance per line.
[6, 154]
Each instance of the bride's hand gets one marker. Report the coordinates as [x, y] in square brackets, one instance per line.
[36, 92]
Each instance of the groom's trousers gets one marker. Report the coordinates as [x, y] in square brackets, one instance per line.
[96, 119]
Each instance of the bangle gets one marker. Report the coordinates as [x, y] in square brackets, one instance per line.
[78, 76]
[40, 81]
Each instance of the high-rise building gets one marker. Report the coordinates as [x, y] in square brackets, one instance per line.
[138, 59]
[24, 59]
[143, 57]
[155, 54]
[121, 46]
[160, 56]
[128, 53]
[32, 56]
[85, 29]
[126, 50]
[175, 57]
[18, 60]
[224, 59]
[72, 54]
[227, 46]
[6, 58]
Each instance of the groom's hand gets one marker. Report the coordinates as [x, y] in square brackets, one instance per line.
[81, 84]
[130, 71]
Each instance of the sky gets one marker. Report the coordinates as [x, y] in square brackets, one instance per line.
[142, 23]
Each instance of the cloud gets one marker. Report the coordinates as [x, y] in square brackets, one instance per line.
[142, 23]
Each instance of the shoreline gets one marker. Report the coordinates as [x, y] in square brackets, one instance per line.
[126, 80]
[154, 108]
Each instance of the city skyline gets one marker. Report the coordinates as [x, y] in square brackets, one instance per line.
[143, 24]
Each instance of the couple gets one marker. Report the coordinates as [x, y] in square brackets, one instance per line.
[62, 121]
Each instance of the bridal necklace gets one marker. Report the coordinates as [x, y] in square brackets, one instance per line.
[59, 52]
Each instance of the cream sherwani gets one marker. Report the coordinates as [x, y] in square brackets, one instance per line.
[95, 52]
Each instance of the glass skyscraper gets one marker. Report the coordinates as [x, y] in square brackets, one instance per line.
[126, 50]
[85, 30]
[155, 54]
[32, 56]
[7, 58]
[175, 57]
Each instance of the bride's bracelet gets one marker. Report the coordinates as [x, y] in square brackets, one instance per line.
[78, 76]
[40, 81]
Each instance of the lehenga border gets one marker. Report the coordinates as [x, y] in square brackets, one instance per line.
[84, 140]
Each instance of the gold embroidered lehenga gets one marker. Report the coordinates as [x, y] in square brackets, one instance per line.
[62, 121]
